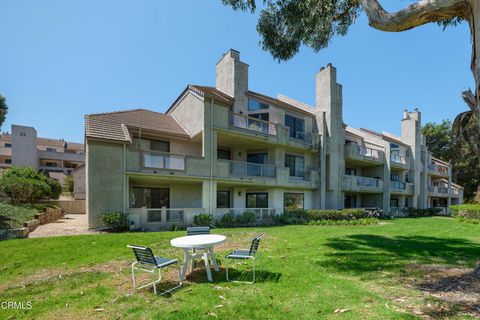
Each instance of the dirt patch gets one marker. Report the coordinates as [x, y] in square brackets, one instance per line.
[448, 291]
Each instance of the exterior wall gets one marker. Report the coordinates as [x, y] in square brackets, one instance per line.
[24, 146]
[189, 113]
[79, 187]
[105, 180]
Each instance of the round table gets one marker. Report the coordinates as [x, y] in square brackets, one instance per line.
[202, 241]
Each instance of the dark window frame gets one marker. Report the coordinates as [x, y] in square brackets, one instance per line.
[254, 105]
[228, 193]
[294, 124]
[149, 206]
[295, 171]
[256, 199]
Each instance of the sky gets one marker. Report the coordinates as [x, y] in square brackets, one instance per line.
[60, 60]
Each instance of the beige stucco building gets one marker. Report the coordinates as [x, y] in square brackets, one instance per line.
[228, 149]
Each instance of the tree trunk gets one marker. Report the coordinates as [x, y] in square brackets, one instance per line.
[474, 22]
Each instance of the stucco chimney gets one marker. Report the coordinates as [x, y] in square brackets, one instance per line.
[232, 78]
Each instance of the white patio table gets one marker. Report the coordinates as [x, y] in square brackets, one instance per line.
[201, 241]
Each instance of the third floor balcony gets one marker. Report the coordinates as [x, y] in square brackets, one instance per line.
[398, 161]
[362, 184]
[439, 170]
[360, 153]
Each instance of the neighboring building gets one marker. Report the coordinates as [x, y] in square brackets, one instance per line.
[22, 147]
[228, 149]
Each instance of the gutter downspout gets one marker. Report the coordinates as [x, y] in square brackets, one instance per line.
[125, 194]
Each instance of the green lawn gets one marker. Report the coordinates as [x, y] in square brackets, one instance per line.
[308, 272]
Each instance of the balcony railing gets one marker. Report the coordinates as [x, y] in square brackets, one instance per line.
[356, 183]
[253, 124]
[437, 189]
[162, 160]
[367, 182]
[249, 169]
[160, 217]
[355, 150]
[437, 168]
[260, 213]
[396, 158]
[398, 185]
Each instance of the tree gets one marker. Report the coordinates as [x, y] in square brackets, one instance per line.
[456, 151]
[285, 25]
[3, 109]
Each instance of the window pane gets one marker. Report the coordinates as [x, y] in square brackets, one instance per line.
[223, 154]
[223, 199]
[251, 200]
[256, 105]
[294, 201]
[163, 146]
[261, 116]
[262, 200]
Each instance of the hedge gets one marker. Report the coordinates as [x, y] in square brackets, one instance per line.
[466, 211]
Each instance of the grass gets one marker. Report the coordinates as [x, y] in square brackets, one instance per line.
[308, 272]
[12, 217]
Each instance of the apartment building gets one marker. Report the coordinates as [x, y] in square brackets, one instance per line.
[229, 149]
[22, 147]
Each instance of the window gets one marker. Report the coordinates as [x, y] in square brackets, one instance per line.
[51, 164]
[8, 145]
[51, 149]
[154, 145]
[262, 116]
[223, 199]
[296, 126]
[296, 165]
[8, 160]
[394, 203]
[350, 201]
[223, 154]
[395, 176]
[293, 201]
[256, 105]
[350, 172]
[151, 197]
[257, 158]
[257, 200]
[406, 203]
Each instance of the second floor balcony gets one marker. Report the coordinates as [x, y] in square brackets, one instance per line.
[362, 184]
[440, 191]
[401, 187]
[398, 161]
[248, 169]
[436, 169]
[162, 160]
[253, 124]
[357, 152]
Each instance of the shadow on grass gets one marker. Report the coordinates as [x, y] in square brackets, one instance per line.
[199, 275]
[368, 253]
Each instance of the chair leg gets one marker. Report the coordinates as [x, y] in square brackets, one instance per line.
[154, 282]
[226, 268]
[253, 270]
[133, 276]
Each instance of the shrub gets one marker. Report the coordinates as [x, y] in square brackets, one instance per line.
[115, 220]
[55, 188]
[354, 222]
[246, 219]
[203, 219]
[69, 184]
[227, 220]
[466, 211]
[24, 190]
[12, 217]
[28, 185]
[414, 212]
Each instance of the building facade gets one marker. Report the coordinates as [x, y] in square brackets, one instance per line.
[22, 147]
[228, 149]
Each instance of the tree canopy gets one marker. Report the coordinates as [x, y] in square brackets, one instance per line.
[3, 109]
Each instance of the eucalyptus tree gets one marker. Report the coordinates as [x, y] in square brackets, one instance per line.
[285, 25]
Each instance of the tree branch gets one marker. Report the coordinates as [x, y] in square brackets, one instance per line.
[414, 15]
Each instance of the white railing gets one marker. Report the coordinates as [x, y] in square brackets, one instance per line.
[398, 159]
[253, 124]
[260, 213]
[162, 160]
[249, 169]
[158, 217]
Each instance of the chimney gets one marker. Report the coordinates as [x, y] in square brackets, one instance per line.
[232, 78]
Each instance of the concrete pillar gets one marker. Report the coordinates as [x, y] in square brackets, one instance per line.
[209, 196]
[412, 135]
[24, 147]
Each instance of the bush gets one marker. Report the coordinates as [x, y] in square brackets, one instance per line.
[227, 220]
[115, 220]
[69, 184]
[354, 222]
[203, 219]
[466, 211]
[12, 217]
[24, 190]
[28, 185]
[246, 219]
[55, 188]
[414, 212]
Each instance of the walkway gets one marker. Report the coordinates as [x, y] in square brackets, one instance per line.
[70, 225]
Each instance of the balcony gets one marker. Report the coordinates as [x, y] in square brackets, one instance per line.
[248, 169]
[401, 187]
[253, 124]
[65, 156]
[398, 161]
[357, 152]
[362, 184]
[437, 191]
[162, 160]
[438, 170]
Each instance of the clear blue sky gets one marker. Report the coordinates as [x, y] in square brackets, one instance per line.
[62, 59]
